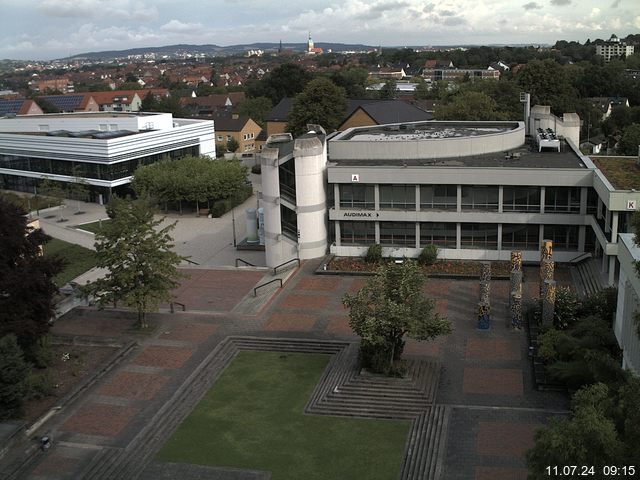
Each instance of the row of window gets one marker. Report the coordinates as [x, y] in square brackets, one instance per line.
[100, 171]
[473, 197]
[472, 235]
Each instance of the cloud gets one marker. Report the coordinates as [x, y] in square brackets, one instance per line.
[176, 26]
[379, 9]
[532, 6]
[120, 9]
[446, 13]
[454, 21]
[615, 4]
[560, 3]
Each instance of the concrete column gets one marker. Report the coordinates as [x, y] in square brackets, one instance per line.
[417, 198]
[584, 191]
[582, 235]
[612, 270]
[599, 209]
[338, 234]
[378, 232]
[459, 198]
[500, 200]
[458, 235]
[376, 196]
[336, 195]
[603, 266]
[542, 194]
[417, 234]
[614, 227]
[500, 234]
[541, 236]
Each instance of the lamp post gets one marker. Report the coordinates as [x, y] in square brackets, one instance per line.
[233, 224]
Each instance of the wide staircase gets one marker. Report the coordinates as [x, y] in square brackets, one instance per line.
[590, 280]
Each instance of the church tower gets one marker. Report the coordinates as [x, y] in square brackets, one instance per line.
[310, 44]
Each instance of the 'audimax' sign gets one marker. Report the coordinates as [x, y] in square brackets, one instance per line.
[361, 214]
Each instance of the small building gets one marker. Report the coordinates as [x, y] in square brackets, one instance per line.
[72, 102]
[243, 129]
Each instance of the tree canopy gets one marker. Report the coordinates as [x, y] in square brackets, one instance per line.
[630, 141]
[322, 102]
[195, 179]
[391, 305]
[287, 80]
[27, 287]
[136, 251]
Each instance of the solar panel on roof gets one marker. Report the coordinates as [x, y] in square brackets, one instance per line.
[70, 102]
[10, 106]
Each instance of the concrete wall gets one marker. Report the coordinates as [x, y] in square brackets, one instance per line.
[87, 121]
[625, 327]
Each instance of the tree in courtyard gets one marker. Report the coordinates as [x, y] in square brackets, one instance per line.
[136, 251]
[390, 306]
[389, 90]
[468, 106]
[27, 288]
[256, 109]
[322, 102]
[13, 374]
[232, 145]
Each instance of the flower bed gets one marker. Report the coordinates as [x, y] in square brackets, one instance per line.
[442, 268]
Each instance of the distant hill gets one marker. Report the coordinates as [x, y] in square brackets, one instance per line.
[214, 50]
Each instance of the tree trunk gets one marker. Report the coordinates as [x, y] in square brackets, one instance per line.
[197, 208]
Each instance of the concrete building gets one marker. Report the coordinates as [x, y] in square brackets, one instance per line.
[613, 48]
[625, 326]
[103, 149]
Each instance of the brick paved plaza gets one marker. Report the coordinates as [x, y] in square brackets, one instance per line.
[485, 378]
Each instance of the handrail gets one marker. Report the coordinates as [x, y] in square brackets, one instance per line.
[184, 308]
[244, 261]
[275, 269]
[190, 261]
[255, 290]
[581, 257]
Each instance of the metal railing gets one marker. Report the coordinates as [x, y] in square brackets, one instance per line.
[190, 261]
[275, 269]
[244, 261]
[255, 290]
[172, 309]
[580, 258]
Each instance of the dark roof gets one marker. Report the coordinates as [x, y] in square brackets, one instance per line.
[389, 111]
[280, 113]
[230, 124]
[11, 106]
[382, 111]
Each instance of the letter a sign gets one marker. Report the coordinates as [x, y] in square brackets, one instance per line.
[355, 177]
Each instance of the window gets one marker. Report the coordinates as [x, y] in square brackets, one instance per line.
[439, 197]
[592, 201]
[357, 233]
[562, 200]
[520, 237]
[228, 138]
[483, 236]
[401, 197]
[439, 234]
[565, 237]
[287, 172]
[398, 234]
[289, 223]
[220, 138]
[357, 196]
[521, 199]
[480, 197]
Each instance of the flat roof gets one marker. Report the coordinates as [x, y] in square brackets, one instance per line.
[623, 173]
[525, 156]
[86, 115]
[426, 130]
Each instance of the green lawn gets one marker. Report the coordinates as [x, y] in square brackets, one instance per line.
[93, 226]
[253, 418]
[79, 259]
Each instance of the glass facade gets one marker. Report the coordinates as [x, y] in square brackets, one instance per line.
[520, 199]
[357, 233]
[287, 174]
[480, 197]
[440, 234]
[98, 171]
[398, 234]
[438, 197]
[357, 196]
[401, 197]
[520, 237]
[565, 237]
[289, 223]
[482, 236]
[562, 200]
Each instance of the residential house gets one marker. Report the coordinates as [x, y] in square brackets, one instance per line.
[19, 107]
[212, 104]
[119, 100]
[242, 129]
[62, 84]
[72, 102]
[607, 104]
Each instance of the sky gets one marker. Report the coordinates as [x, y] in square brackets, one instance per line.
[48, 29]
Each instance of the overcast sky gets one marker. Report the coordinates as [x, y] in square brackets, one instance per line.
[46, 29]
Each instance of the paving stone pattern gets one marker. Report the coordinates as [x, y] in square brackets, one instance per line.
[477, 408]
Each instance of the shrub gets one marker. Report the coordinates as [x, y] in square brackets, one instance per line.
[374, 254]
[428, 255]
[566, 308]
[39, 385]
[601, 304]
[220, 207]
